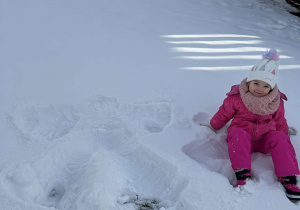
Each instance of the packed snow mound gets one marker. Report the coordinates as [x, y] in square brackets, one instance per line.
[210, 150]
[97, 160]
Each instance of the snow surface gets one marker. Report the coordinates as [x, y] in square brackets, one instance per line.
[97, 100]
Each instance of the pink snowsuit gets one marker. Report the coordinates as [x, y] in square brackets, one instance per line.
[249, 132]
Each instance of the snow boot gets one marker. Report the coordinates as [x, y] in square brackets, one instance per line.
[289, 183]
[242, 176]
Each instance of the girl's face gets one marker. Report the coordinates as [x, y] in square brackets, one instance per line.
[259, 88]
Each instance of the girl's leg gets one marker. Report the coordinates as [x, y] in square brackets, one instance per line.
[282, 151]
[239, 149]
[284, 159]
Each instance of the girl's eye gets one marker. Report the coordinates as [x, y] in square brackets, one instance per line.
[267, 87]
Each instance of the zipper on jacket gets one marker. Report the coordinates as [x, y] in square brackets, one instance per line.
[254, 128]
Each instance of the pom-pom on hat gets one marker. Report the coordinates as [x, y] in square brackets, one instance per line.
[267, 69]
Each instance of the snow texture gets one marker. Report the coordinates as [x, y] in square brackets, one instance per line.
[98, 99]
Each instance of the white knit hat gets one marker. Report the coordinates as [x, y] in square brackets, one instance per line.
[267, 69]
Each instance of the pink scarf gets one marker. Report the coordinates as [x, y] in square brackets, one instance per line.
[259, 105]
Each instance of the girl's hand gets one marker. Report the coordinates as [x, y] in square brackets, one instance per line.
[292, 131]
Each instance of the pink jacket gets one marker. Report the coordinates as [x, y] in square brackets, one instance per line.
[257, 125]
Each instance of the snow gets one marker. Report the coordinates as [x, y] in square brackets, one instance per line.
[98, 99]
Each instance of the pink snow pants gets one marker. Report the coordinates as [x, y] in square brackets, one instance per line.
[278, 144]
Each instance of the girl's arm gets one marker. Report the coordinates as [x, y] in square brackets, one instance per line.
[225, 113]
[281, 123]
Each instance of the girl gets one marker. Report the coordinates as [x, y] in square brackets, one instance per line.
[258, 125]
